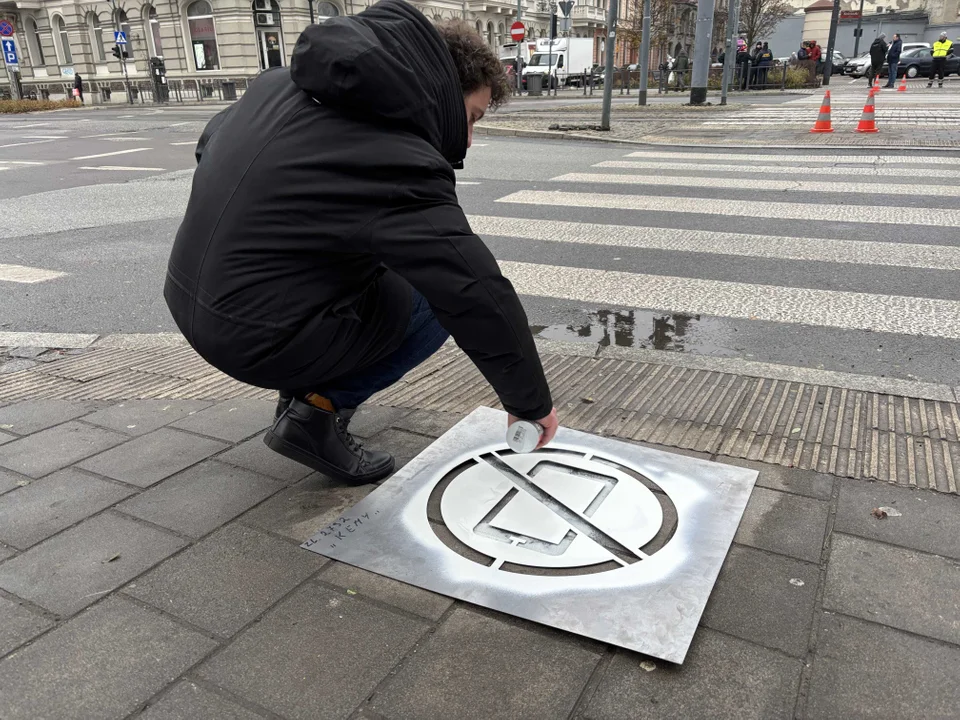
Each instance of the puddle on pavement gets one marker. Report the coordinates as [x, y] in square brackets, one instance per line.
[647, 329]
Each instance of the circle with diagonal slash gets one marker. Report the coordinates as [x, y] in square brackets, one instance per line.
[551, 510]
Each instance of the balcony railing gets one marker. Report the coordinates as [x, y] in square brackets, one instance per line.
[588, 12]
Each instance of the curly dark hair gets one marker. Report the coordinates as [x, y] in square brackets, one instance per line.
[477, 64]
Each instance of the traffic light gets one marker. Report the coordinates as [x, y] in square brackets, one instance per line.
[118, 54]
[553, 26]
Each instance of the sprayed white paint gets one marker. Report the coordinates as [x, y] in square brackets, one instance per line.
[110, 154]
[27, 275]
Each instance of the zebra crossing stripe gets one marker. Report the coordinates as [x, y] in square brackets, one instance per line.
[868, 159]
[873, 171]
[816, 212]
[878, 186]
[801, 306]
[855, 252]
[27, 275]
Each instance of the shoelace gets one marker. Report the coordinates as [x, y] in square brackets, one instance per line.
[351, 441]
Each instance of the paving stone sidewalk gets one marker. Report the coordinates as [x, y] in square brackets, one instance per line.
[150, 568]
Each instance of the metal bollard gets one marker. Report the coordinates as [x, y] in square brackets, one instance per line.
[783, 79]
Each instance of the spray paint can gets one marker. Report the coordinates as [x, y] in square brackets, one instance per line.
[524, 435]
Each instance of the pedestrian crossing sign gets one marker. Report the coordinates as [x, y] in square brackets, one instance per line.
[120, 38]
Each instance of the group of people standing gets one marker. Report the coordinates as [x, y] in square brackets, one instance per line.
[753, 68]
[880, 52]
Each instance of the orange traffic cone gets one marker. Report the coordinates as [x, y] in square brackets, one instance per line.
[876, 83]
[903, 85]
[823, 120]
[867, 123]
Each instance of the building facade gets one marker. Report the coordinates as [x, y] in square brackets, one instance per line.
[207, 46]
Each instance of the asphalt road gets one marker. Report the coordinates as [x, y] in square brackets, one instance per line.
[854, 273]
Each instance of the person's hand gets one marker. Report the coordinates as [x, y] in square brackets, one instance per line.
[550, 425]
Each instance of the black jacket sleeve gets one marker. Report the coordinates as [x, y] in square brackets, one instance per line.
[428, 241]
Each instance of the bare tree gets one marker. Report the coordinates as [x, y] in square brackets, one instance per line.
[759, 18]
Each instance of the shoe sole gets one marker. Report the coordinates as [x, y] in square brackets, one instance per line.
[281, 446]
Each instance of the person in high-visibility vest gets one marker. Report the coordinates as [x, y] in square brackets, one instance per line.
[941, 48]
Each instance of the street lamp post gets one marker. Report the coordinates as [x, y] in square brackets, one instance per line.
[312, 19]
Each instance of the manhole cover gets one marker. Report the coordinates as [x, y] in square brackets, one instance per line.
[602, 538]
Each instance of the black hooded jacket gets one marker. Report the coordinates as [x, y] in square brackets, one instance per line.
[323, 195]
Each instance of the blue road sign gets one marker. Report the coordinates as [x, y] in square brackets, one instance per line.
[9, 52]
[120, 38]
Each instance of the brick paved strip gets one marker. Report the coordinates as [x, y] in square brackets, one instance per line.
[913, 441]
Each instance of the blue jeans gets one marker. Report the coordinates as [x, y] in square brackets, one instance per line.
[423, 338]
[892, 73]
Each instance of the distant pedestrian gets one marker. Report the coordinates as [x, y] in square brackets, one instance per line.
[78, 86]
[743, 63]
[816, 55]
[683, 62]
[765, 62]
[893, 59]
[878, 52]
[941, 49]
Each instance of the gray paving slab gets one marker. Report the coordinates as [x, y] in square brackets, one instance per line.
[139, 417]
[428, 422]
[928, 519]
[226, 580]
[802, 482]
[19, 625]
[233, 420]
[55, 448]
[903, 588]
[403, 445]
[189, 701]
[722, 677]
[148, 459]
[371, 419]
[46, 506]
[6, 552]
[407, 597]
[9, 481]
[254, 455]
[300, 511]
[316, 655]
[6, 437]
[103, 664]
[30, 416]
[201, 498]
[79, 566]
[765, 598]
[499, 669]
[865, 670]
[784, 523]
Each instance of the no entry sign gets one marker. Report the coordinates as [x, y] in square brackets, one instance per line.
[517, 31]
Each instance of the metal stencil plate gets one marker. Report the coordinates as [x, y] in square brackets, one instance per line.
[598, 537]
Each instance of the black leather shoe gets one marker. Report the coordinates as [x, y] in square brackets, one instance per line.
[283, 402]
[320, 440]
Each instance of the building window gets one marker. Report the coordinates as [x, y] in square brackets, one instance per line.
[153, 31]
[34, 45]
[96, 37]
[500, 35]
[489, 33]
[327, 10]
[63, 44]
[266, 22]
[203, 35]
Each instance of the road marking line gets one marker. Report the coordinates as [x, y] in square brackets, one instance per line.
[49, 340]
[854, 252]
[121, 167]
[125, 139]
[883, 171]
[829, 159]
[109, 154]
[30, 125]
[467, 182]
[44, 137]
[742, 208]
[27, 275]
[21, 162]
[187, 122]
[875, 186]
[188, 142]
[801, 306]
[31, 142]
[111, 134]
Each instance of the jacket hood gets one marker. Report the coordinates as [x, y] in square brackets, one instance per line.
[390, 65]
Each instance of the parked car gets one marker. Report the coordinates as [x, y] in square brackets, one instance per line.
[839, 63]
[919, 61]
